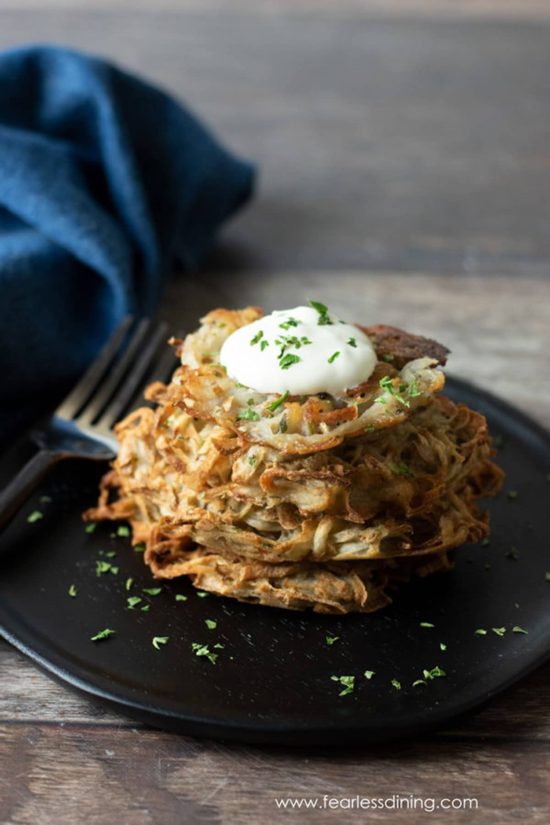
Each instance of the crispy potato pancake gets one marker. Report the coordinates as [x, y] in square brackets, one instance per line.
[321, 501]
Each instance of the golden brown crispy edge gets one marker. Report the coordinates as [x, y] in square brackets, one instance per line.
[400, 347]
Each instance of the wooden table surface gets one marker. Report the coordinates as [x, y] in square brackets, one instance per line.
[404, 154]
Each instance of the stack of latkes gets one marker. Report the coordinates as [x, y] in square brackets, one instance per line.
[320, 501]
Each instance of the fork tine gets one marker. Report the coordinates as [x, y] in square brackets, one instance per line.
[80, 394]
[115, 377]
[134, 378]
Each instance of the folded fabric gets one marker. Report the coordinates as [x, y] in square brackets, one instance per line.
[106, 185]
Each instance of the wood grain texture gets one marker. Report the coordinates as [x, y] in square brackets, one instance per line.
[60, 752]
[390, 144]
[31, 697]
[405, 173]
[502, 9]
[498, 329]
[145, 777]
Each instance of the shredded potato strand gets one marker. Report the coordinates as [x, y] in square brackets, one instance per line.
[323, 502]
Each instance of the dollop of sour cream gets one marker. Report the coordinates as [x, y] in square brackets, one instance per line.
[302, 351]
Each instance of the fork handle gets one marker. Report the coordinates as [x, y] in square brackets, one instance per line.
[25, 482]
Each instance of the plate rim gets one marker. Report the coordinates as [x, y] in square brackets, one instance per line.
[342, 732]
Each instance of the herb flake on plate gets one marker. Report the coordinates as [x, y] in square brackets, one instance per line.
[103, 634]
[204, 650]
[159, 641]
[347, 683]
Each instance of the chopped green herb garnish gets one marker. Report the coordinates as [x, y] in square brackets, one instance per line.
[434, 673]
[333, 357]
[386, 383]
[211, 624]
[263, 345]
[152, 591]
[351, 342]
[248, 415]
[36, 515]
[547, 576]
[146, 608]
[110, 554]
[412, 389]
[419, 682]
[103, 634]
[324, 317]
[517, 629]
[389, 358]
[45, 499]
[290, 322]
[286, 341]
[158, 641]
[331, 639]
[401, 470]
[129, 582]
[102, 567]
[396, 684]
[369, 674]
[480, 632]
[426, 624]
[252, 460]
[123, 531]
[322, 309]
[204, 650]
[202, 594]
[442, 646]
[72, 591]
[347, 682]
[257, 338]
[499, 631]
[512, 495]
[278, 401]
[181, 598]
[90, 527]
[288, 360]
[133, 601]
[139, 548]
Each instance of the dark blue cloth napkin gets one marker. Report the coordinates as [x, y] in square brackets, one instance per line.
[106, 185]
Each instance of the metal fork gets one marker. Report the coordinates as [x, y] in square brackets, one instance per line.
[81, 427]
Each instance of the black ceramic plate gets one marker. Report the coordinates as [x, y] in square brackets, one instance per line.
[272, 678]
